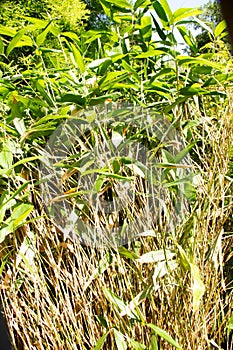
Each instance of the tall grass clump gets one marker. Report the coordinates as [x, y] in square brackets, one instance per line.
[171, 285]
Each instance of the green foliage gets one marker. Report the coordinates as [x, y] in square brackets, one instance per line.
[211, 16]
[70, 13]
[153, 293]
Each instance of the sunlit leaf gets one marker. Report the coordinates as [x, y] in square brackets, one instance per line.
[101, 341]
[220, 28]
[2, 47]
[151, 53]
[6, 158]
[163, 334]
[156, 256]
[18, 41]
[20, 213]
[230, 324]
[123, 4]
[78, 58]
[141, 3]
[146, 28]
[42, 36]
[158, 7]
[120, 340]
[136, 345]
[124, 252]
[198, 287]
[154, 342]
[107, 7]
[185, 60]
[182, 13]
[167, 10]
[135, 302]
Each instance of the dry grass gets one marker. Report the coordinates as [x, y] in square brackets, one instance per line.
[56, 293]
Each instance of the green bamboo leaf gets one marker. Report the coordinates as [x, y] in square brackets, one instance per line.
[154, 342]
[118, 303]
[180, 156]
[107, 7]
[2, 47]
[121, 3]
[99, 183]
[114, 299]
[40, 88]
[96, 63]
[5, 230]
[78, 58]
[101, 341]
[188, 38]
[151, 53]
[184, 258]
[220, 28]
[38, 23]
[115, 176]
[128, 68]
[124, 252]
[136, 345]
[146, 28]
[167, 10]
[186, 60]
[42, 36]
[6, 158]
[167, 157]
[20, 213]
[4, 261]
[125, 86]
[71, 35]
[195, 89]
[77, 99]
[101, 99]
[219, 78]
[6, 202]
[163, 334]
[102, 321]
[17, 219]
[111, 78]
[203, 25]
[230, 324]
[104, 67]
[7, 31]
[158, 7]
[182, 13]
[158, 29]
[141, 3]
[135, 302]
[16, 39]
[26, 160]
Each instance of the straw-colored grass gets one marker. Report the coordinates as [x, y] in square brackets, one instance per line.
[62, 295]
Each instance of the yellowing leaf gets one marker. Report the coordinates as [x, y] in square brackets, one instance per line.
[198, 287]
[120, 340]
[156, 256]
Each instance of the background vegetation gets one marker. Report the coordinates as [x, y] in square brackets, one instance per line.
[168, 288]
